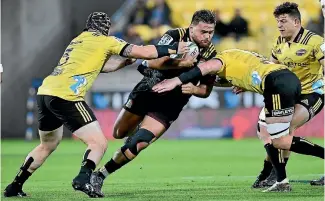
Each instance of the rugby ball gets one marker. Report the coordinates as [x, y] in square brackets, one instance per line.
[193, 52]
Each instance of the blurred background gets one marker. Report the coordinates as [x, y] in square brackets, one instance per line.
[36, 32]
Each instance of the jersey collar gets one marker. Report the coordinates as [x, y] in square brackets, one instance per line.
[299, 35]
[188, 34]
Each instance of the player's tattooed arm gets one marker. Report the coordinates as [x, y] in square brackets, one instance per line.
[127, 51]
[115, 63]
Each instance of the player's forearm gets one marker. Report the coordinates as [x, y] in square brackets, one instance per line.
[211, 66]
[202, 91]
[162, 63]
[150, 51]
[114, 63]
[166, 63]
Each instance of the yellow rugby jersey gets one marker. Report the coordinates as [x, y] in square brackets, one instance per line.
[246, 69]
[303, 57]
[80, 65]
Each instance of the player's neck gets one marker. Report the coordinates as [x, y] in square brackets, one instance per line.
[292, 38]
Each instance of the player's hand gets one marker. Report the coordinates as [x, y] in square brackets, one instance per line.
[129, 61]
[237, 90]
[188, 88]
[166, 85]
[183, 47]
[187, 62]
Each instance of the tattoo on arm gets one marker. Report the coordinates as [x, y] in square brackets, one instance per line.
[128, 50]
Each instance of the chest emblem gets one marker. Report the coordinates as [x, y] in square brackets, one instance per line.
[301, 52]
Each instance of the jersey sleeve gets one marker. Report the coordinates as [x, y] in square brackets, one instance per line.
[210, 79]
[171, 36]
[116, 46]
[222, 59]
[318, 47]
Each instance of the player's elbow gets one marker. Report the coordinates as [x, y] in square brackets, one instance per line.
[206, 94]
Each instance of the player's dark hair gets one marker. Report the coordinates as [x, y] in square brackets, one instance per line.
[100, 22]
[206, 16]
[289, 8]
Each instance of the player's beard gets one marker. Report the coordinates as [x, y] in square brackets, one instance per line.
[201, 44]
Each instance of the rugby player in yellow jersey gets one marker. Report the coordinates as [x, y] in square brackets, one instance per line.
[60, 99]
[302, 52]
[253, 72]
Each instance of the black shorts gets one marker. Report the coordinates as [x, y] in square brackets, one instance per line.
[313, 102]
[53, 112]
[282, 91]
[164, 108]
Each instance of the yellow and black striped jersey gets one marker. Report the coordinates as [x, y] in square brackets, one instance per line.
[245, 69]
[80, 65]
[303, 56]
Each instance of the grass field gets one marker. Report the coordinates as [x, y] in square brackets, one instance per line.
[169, 170]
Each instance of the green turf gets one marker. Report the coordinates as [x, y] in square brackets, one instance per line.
[168, 170]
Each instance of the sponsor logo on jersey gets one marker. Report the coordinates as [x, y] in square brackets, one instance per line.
[282, 112]
[291, 64]
[165, 40]
[256, 78]
[301, 52]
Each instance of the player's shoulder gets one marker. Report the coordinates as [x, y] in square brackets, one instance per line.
[114, 38]
[171, 35]
[310, 38]
[278, 40]
[177, 33]
[113, 41]
[209, 52]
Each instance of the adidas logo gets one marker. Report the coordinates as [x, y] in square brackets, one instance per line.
[305, 101]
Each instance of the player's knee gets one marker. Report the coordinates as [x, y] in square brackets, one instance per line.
[101, 143]
[283, 142]
[119, 132]
[139, 142]
[278, 133]
[97, 141]
[49, 147]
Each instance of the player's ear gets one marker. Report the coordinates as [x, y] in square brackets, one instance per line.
[191, 28]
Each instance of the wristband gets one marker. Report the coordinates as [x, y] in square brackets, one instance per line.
[190, 75]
